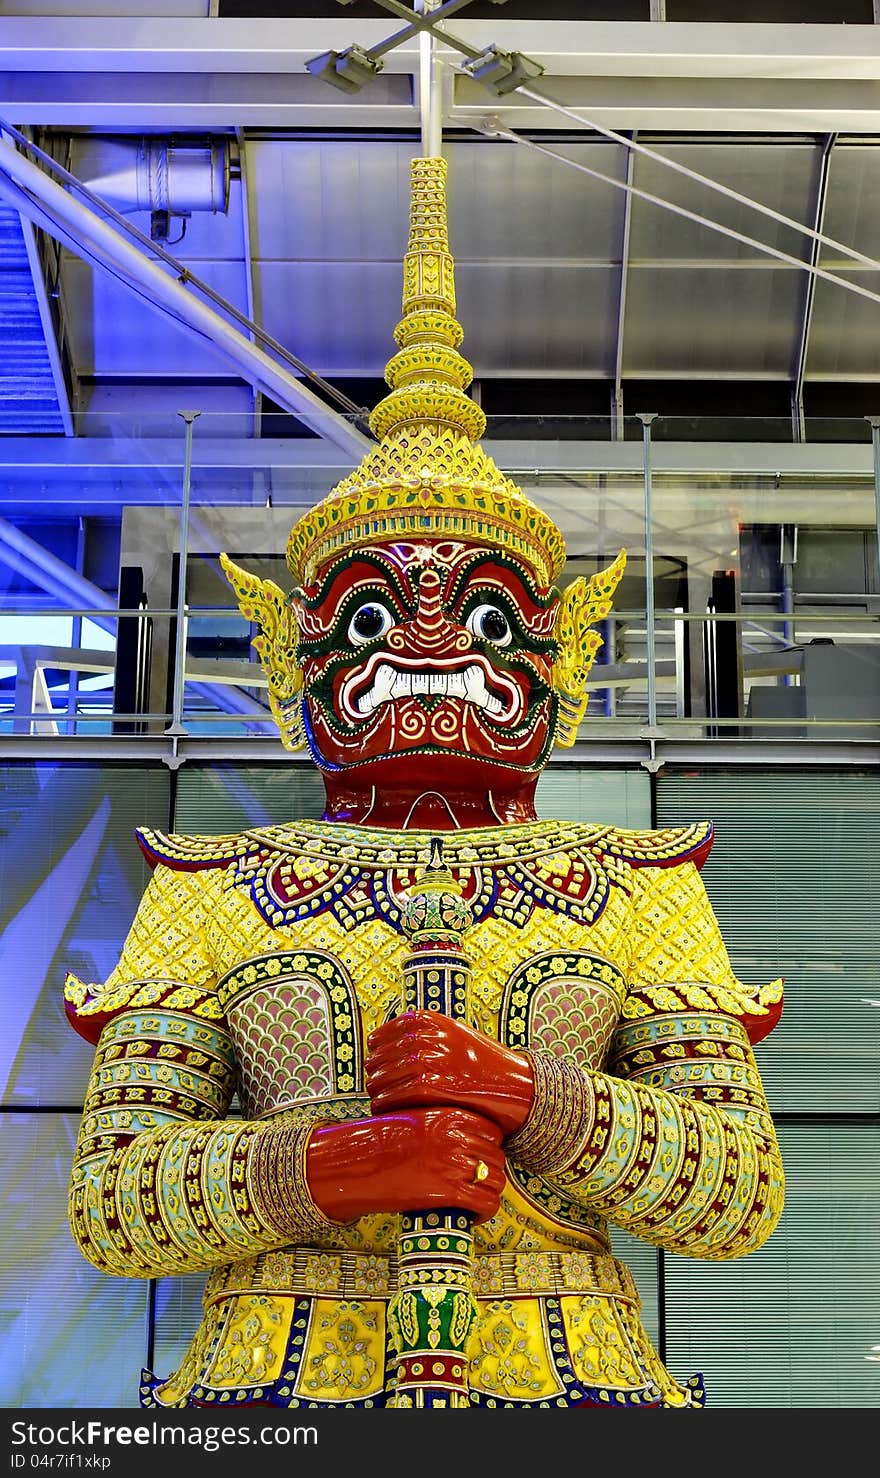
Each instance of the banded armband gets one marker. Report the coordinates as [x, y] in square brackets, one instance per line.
[686, 1175]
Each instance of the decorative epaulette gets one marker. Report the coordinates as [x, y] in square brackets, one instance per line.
[89, 1007]
[664, 848]
[192, 853]
[758, 1008]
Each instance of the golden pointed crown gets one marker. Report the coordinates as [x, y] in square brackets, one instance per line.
[428, 476]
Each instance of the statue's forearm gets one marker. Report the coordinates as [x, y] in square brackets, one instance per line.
[162, 1182]
[684, 1174]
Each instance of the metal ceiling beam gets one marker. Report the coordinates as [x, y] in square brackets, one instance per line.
[566, 48]
[199, 73]
[250, 306]
[167, 101]
[688, 105]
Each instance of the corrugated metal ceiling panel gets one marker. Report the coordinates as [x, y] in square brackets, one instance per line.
[349, 200]
[782, 176]
[116, 332]
[339, 316]
[538, 249]
[726, 323]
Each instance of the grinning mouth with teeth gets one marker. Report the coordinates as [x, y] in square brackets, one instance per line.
[472, 681]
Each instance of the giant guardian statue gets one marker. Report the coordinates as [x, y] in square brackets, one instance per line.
[463, 1042]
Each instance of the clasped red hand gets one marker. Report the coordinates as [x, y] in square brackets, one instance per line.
[423, 1058]
[443, 1097]
[408, 1161]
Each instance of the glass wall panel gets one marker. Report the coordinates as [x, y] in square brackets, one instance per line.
[606, 796]
[796, 1323]
[69, 1336]
[793, 876]
[774, 632]
[231, 797]
[228, 798]
[71, 877]
[178, 1309]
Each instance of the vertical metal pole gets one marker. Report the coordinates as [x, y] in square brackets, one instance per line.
[650, 639]
[429, 88]
[788, 537]
[617, 423]
[76, 632]
[176, 726]
[250, 303]
[23, 704]
[710, 648]
[875, 442]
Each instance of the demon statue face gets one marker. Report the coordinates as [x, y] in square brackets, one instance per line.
[425, 640]
[416, 651]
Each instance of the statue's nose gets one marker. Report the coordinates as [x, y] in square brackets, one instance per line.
[430, 633]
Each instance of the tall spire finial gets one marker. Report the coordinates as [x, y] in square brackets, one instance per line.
[428, 474]
[428, 376]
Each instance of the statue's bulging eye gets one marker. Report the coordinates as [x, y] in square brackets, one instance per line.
[490, 624]
[368, 622]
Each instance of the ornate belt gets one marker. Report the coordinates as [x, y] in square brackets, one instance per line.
[308, 1272]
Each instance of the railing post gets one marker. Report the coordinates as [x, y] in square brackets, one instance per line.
[650, 638]
[875, 443]
[176, 727]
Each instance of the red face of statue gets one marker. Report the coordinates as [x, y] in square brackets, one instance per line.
[429, 660]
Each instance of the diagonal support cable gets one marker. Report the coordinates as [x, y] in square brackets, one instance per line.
[701, 179]
[494, 129]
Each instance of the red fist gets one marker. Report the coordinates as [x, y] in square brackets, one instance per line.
[408, 1161]
[424, 1057]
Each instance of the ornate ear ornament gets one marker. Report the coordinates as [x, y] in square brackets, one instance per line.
[583, 603]
[263, 602]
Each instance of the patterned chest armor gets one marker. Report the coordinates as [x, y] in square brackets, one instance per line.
[297, 953]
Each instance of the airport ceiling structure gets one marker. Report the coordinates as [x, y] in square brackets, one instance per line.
[605, 163]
